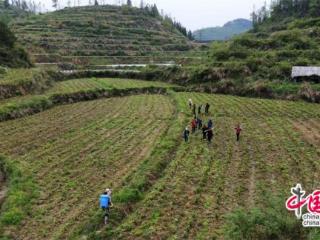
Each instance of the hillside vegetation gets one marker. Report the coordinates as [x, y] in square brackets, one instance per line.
[10, 12]
[259, 63]
[223, 33]
[101, 35]
[11, 55]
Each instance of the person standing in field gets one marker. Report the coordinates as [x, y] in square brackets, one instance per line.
[210, 134]
[194, 110]
[199, 123]
[238, 132]
[194, 125]
[186, 134]
[204, 132]
[207, 108]
[190, 103]
[106, 203]
[210, 124]
[199, 109]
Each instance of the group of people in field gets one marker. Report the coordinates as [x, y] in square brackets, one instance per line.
[198, 124]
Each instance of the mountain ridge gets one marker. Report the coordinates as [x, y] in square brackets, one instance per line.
[222, 33]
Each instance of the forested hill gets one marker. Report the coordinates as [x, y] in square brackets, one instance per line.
[223, 33]
[100, 35]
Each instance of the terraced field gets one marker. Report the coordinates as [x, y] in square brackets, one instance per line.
[202, 184]
[75, 151]
[163, 188]
[101, 35]
[87, 84]
[74, 91]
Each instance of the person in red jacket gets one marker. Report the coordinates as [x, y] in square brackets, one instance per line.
[238, 132]
[194, 125]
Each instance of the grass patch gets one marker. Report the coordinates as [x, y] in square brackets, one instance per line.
[21, 192]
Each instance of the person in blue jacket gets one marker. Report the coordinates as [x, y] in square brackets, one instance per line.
[210, 124]
[106, 203]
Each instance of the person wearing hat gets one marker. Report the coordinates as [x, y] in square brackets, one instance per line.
[106, 203]
[186, 134]
[190, 103]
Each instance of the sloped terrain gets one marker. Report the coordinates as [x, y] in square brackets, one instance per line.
[73, 152]
[202, 184]
[270, 53]
[100, 35]
[50, 93]
[11, 54]
[226, 32]
[163, 188]
[9, 13]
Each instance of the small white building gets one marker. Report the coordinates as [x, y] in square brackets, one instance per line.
[306, 73]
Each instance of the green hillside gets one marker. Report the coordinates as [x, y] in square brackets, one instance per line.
[7, 13]
[259, 63]
[101, 35]
[280, 39]
[11, 55]
[223, 33]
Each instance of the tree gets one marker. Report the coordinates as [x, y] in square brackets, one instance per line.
[314, 7]
[6, 3]
[142, 4]
[96, 3]
[190, 35]
[129, 3]
[24, 5]
[154, 10]
[7, 38]
[55, 4]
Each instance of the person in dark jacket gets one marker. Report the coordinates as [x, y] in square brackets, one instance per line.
[186, 134]
[207, 108]
[210, 124]
[204, 132]
[199, 123]
[210, 134]
[194, 110]
[199, 109]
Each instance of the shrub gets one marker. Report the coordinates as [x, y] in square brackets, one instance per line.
[22, 191]
[307, 93]
[7, 38]
[272, 222]
[127, 195]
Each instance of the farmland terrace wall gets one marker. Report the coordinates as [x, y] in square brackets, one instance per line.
[60, 99]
